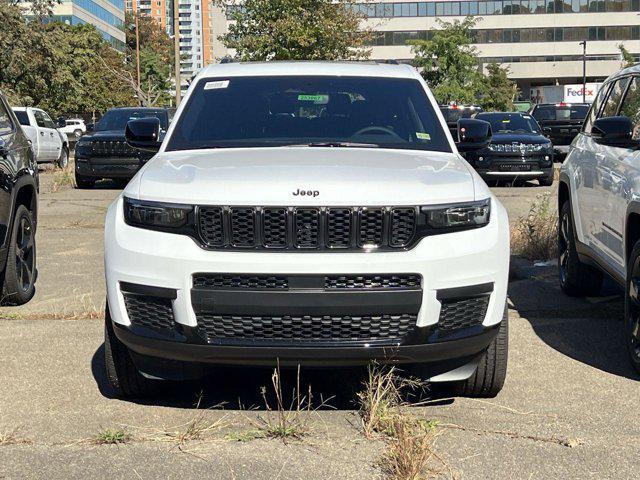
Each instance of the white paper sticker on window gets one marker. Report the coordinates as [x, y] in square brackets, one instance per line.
[218, 84]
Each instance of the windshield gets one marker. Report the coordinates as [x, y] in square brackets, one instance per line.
[117, 119]
[452, 115]
[553, 112]
[295, 110]
[22, 117]
[510, 122]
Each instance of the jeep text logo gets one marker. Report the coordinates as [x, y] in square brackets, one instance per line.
[307, 193]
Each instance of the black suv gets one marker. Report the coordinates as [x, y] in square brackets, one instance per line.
[518, 150]
[104, 152]
[560, 122]
[18, 210]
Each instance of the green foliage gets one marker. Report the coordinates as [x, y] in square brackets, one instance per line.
[58, 67]
[449, 62]
[498, 90]
[627, 58]
[295, 30]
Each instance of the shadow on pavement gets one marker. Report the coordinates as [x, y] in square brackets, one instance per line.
[243, 388]
[589, 330]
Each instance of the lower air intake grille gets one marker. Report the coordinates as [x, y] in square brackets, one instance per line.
[150, 312]
[246, 282]
[462, 312]
[306, 329]
[372, 282]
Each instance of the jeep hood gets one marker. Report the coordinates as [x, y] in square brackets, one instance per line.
[272, 176]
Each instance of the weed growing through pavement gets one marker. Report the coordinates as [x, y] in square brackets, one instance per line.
[110, 436]
[535, 236]
[62, 178]
[409, 454]
[11, 437]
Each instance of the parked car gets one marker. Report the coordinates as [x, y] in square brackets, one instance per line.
[104, 153]
[49, 144]
[18, 210]
[518, 150]
[311, 213]
[560, 122]
[454, 112]
[74, 127]
[598, 201]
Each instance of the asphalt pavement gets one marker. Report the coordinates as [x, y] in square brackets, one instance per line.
[569, 408]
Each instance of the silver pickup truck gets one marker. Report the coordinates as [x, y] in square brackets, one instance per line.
[49, 144]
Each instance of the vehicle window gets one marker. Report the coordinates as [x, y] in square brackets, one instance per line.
[596, 106]
[275, 110]
[47, 121]
[117, 119]
[610, 108]
[510, 122]
[22, 117]
[631, 106]
[40, 118]
[6, 125]
[560, 112]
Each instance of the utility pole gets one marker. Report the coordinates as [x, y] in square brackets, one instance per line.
[584, 71]
[176, 49]
[137, 51]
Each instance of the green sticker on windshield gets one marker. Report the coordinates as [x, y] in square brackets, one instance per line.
[506, 121]
[423, 136]
[313, 98]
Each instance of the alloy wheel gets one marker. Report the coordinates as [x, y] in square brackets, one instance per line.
[25, 258]
[633, 311]
[564, 244]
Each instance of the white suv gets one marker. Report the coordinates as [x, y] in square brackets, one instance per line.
[599, 201]
[312, 214]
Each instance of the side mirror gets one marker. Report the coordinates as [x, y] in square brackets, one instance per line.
[144, 134]
[90, 127]
[614, 132]
[473, 134]
[61, 123]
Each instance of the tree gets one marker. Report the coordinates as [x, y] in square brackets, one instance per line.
[627, 57]
[449, 63]
[295, 30]
[156, 61]
[499, 91]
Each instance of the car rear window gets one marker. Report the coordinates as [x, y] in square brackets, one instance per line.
[291, 110]
[553, 112]
[22, 117]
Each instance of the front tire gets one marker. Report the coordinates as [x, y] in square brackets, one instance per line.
[83, 182]
[576, 278]
[632, 307]
[122, 374]
[20, 272]
[63, 161]
[489, 377]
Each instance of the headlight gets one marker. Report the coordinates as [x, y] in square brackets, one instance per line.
[83, 148]
[155, 215]
[458, 216]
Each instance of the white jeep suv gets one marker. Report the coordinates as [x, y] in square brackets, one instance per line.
[599, 201]
[307, 214]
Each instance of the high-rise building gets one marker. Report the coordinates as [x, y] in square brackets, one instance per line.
[106, 15]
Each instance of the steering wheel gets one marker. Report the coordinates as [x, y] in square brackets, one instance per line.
[384, 130]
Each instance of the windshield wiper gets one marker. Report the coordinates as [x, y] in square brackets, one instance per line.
[336, 144]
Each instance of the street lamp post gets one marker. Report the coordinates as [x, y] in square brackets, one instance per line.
[176, 47]
[584, 71]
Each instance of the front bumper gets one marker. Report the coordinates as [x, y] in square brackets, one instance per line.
[496, 166]
[104, 167]
[446, 263]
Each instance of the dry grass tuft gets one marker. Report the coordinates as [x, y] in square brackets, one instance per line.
[63, 178]
[11, 437]
[410, 453]
[535, 236]
[110, 436]
[279, 421]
